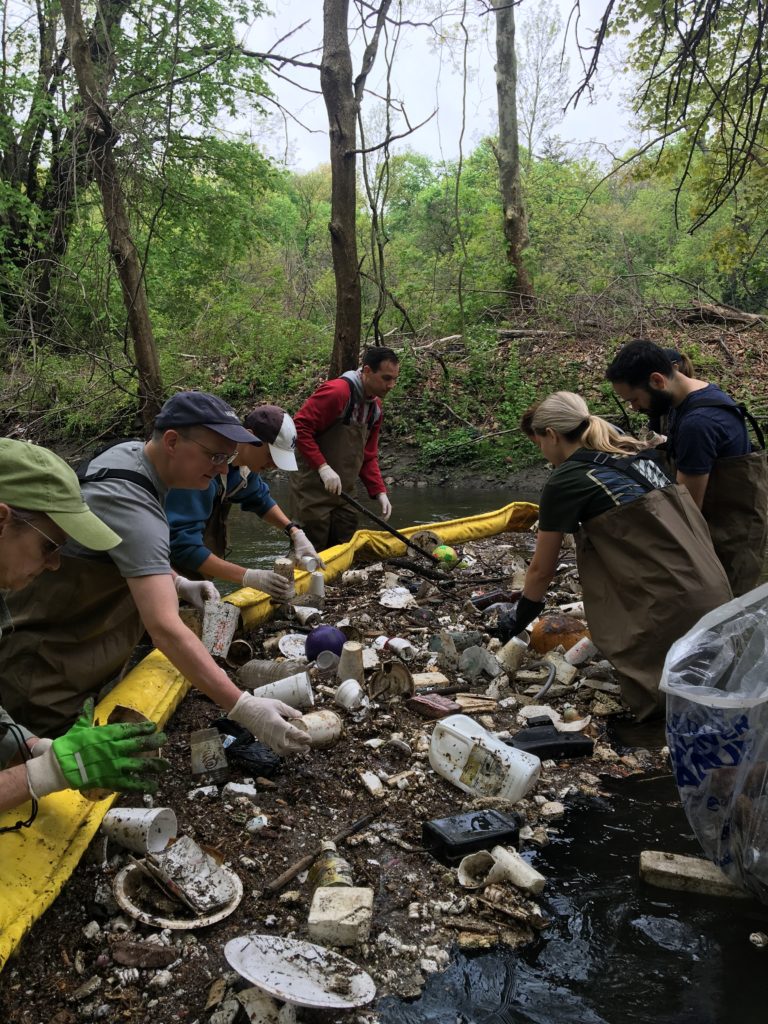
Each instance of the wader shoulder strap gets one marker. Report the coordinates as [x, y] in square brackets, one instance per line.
[738, 408]
[643, 468]
[81, 471]
[119, 474]
[373, 412]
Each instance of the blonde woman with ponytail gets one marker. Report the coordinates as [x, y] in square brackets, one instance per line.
[646, 562]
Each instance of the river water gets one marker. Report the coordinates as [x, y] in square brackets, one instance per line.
[617, 951]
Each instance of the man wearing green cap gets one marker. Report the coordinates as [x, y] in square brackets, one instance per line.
[74, 632]
[40, 506]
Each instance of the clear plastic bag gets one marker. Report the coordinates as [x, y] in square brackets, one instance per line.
[716, 681]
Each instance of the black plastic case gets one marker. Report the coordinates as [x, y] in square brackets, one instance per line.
[541, 737]
[450, 839]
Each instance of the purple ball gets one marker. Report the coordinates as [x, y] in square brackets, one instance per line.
[324, 638]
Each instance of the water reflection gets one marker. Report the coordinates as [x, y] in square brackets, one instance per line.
[255, 544]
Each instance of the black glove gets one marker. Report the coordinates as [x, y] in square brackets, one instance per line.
[525, 612]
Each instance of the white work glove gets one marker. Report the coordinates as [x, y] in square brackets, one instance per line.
[386, 507]
[196, 592]
[269, 582]
[303, 548]
[266, 719]
[331, 479]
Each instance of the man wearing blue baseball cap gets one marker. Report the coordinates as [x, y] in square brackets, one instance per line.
[75, 631]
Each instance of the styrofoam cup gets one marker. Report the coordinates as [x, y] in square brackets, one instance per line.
[317, 584]
[141, 829]
[349, 695]
[219, 624]
[402, 648]
[294, 690]
[351, 662]
[324, 727]
[511, 655]
[307, 616]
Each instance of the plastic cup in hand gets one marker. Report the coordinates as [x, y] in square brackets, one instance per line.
[293, 690]
[141, 829]
[324, 727]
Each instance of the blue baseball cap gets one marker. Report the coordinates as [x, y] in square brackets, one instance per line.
[199, 409]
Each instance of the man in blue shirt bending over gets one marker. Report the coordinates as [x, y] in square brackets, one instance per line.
[198, 519]
[709, 448]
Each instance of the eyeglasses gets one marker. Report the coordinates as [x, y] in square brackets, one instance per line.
[52, 547]
[217, 458]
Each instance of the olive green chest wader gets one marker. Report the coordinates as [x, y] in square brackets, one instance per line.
[324, 517]
[648, 572]
[74, 631]
[735, 505]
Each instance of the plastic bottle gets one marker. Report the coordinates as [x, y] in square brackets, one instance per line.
[330, 869]
[466, 754]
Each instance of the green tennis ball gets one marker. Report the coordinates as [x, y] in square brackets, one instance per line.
[445, 554]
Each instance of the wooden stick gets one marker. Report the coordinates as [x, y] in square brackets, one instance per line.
[306, 862]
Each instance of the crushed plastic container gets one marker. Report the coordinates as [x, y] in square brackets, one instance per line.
[473, 759]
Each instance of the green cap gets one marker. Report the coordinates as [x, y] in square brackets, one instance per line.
[35, 479]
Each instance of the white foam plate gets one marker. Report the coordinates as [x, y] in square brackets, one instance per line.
[125, 888]
[292, 645]
[300, 972]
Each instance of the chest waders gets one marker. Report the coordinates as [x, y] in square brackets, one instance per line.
[324, 517]
[735, 504]
[648, 572]
[74, 631]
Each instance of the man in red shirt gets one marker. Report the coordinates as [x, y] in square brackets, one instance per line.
[337, 439]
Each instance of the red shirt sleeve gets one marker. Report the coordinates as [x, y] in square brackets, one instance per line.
[320, 411]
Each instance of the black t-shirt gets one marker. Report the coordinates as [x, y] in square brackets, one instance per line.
[578, 491]
[700, 436]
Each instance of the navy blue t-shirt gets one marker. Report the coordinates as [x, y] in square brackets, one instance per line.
[700, 436]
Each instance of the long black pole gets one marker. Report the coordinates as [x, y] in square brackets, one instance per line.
[385, 526]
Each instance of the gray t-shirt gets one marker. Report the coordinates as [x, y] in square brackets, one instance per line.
[132, 512]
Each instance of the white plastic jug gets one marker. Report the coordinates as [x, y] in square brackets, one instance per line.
[466, 754]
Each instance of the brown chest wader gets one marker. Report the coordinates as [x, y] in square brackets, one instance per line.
[735, 505]
[648, 572]
[74, 631]
[325, 519]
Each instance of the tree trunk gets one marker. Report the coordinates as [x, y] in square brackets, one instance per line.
[101, 137]
[336, 83]
[342, 97]
[508, 150]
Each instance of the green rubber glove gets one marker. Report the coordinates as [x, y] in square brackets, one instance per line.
[99, 757]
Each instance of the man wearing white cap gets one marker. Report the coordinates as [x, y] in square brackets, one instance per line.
[198, 519]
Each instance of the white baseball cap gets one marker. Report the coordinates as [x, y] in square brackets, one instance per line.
[273, 425]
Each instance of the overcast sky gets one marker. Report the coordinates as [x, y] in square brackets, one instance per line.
[426, 77]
